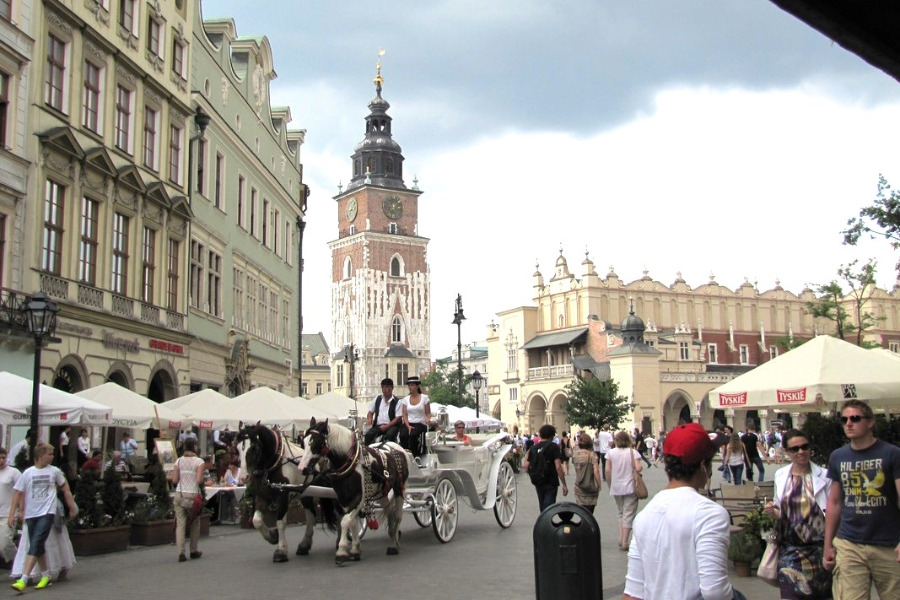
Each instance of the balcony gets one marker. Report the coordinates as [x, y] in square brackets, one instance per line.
[12, 315]
[554, 372]
[100, 300]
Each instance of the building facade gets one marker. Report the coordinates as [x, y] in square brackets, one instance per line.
[381, 289]
[694, 339]
[315, 366]
[103, 224]
[249, 199]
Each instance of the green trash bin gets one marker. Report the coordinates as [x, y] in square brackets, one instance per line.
[567, 554]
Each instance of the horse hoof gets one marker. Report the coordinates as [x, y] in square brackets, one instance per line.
[355, 557]
[339, 560]
[280, 557]
[302, 551]
[392, 552]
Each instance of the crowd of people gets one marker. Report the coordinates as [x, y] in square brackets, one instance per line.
[837, 525]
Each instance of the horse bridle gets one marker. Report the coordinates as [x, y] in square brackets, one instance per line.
[352, 459]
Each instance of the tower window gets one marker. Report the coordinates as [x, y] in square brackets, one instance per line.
[389, 165]
[372, 165]
[392, 228]
[396, 330]
[348, 267]
[356, 167]
[396, 267]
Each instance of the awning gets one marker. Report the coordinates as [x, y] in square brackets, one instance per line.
[557, 338]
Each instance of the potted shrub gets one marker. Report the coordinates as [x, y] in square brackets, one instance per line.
[747, 545]
[153, 519]
[102, 524]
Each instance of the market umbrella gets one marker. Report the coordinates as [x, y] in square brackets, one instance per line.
[56, 406]
[133, 410]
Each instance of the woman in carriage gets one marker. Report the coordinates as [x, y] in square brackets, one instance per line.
[416, 417]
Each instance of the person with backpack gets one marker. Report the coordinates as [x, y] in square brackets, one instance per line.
[544, 467]
[383, 419]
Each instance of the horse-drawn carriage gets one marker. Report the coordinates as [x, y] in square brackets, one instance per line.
[363, 479]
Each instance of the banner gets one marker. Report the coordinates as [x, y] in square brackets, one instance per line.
[790, 396]
[739, 399]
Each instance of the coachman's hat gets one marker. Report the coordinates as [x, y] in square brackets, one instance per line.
[414, 379]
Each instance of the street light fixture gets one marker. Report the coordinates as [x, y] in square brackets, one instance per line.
[201, 119]
[351, 355]
[477, 382]
[40, 316]
[458, 318]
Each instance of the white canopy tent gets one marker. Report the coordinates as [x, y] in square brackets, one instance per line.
[56, 406]
[823, 370]
[271, 407]
[133, 410]
[338, 404]
[208, 409]
[468, 416]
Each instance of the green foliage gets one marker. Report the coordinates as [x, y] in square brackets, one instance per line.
[442, 386]
[745, 547]
[825, 435]
[593, 403]
[881, 220]
[113, 495]
[786, 343]
[862, 286]
[158, 504]
[87, 499]
[757, 521]
[829, 306]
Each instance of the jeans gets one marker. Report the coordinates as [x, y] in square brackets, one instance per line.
[38, 532]
[737, 471]
[602, 457]
[758, 463]
[546, 495]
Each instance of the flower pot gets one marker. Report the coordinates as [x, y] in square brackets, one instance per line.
[87, 542]
[742, 568]
[205, 519]
[153, 533]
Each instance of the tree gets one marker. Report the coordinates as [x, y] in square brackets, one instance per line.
[593, 403]
[862, 286]
[830, 306]
[442, 386]
[882, 219]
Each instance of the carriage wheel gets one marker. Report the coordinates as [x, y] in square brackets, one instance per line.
[505, 506]
[445, 511]
[423, 517]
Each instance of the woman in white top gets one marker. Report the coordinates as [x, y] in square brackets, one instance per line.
[233, 474]
[416, 417]
[187, 475]
[736, 458]
[621, 463]
[84, 448]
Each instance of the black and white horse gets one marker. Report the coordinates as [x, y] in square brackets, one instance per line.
[270, 458]
[360, 476]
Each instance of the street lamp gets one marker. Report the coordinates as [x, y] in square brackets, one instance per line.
[201, 119]
[40, 315]
[351, 355]
[477, 382]
[458, 318]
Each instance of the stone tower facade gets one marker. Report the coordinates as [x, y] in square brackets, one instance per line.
[381, 290]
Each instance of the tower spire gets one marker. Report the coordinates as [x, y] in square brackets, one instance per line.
[379, 80]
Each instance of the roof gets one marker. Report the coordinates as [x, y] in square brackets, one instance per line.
[316, 343]
[868, 29]
[399, 352]
[600, 370]
[556, 338]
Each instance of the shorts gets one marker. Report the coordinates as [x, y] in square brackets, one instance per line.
[38, 532]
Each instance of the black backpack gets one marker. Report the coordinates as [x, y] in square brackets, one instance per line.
[540, 470]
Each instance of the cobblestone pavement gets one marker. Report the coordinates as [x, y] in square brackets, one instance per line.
[482, 561]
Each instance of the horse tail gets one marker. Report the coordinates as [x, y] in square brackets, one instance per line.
[331, 513]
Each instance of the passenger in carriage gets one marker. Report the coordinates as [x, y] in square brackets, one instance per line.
[460, 436]
[416, 417]
[385, 417]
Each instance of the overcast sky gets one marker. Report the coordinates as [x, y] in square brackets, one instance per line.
[711, 136]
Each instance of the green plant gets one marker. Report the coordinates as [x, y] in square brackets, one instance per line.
[745, 547]
[757, 521]
[159, 490]
[87, 499]
[149, 509]
[113, 496]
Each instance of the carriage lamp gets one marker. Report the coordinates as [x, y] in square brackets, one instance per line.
[40, 315]
[477, 382]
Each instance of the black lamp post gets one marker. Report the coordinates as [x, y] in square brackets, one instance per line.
[458, 318]
[201, 119]
[351, 355]
[40, 315]
[477, 382]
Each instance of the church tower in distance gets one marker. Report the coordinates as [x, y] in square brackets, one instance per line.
[381, 290]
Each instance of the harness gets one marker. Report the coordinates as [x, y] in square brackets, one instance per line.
[280, 459]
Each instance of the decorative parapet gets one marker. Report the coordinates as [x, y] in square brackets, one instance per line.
[669, 377]
[554, 372]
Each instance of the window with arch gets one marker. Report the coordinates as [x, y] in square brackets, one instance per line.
[371, 165]
[357, 165]
[396, 266]
[396, 330]
[348, 267]
[389, 166]
[561, 320]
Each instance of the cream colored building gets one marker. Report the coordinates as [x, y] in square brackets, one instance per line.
[315, 366]
[102, 226]
[694, 340]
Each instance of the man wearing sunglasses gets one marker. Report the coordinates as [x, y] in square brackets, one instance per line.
[862, 522]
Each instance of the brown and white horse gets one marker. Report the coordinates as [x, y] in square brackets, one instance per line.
[270, 458]
[360, 476]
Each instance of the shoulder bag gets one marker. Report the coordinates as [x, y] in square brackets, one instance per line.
[768, 565]
[587, 483]
[640, 488]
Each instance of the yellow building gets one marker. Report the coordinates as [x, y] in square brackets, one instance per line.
[694, 339]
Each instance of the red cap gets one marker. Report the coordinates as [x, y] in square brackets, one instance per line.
[690, 443]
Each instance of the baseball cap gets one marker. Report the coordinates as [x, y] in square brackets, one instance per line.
[690, 443]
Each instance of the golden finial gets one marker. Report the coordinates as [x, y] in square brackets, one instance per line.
[379, 80]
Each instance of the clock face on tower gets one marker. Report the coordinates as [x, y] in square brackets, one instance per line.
[352, 209]
[393, 207]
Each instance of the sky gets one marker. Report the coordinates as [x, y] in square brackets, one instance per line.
[711, 137]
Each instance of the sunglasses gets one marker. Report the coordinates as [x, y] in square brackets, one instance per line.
[852, 419]
[796, 449]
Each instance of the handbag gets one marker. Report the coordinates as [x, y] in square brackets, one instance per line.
[586, 483]
[188, 499]
[640, 488]
[768, 564]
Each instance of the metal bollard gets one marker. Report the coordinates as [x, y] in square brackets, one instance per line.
[567, 554]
